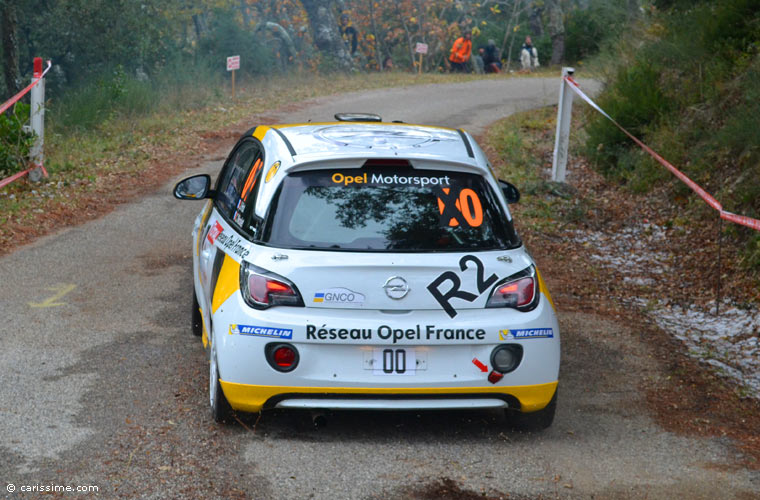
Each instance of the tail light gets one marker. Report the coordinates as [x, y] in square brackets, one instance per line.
[281, 357]
[519, 291]
[262, 289]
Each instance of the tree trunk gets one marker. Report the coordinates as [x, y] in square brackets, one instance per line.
[509, 33]
[379, 55]
[634, 9]
[326, 32]
[199, 21]
[556, 31]
[245, 13]
[534, 21]
[10, 47]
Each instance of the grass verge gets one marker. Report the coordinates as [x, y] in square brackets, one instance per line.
[566, 227]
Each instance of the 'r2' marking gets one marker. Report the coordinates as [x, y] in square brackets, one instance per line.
[444, 299]
[482, 285]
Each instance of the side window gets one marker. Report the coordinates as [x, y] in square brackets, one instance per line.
[247, 201]
[237, 181]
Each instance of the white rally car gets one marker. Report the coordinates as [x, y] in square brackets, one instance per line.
[359, 264]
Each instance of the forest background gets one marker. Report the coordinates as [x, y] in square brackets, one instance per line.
[681, 74]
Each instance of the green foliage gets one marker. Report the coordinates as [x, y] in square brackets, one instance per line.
[752, 260]
[15, 143]
[117, 95]
[226, 37]
[635, 100]
[689, 90]
[587, 29]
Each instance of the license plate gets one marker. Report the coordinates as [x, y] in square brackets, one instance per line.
[389, 361]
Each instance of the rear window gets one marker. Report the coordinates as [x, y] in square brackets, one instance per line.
[387, 209]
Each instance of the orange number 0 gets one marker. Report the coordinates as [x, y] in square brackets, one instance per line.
[468, 205]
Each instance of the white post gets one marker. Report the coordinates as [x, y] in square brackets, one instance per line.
[37, 120]
[562, 137]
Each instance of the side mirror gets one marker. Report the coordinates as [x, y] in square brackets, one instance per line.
[193, 188]
[511, 193]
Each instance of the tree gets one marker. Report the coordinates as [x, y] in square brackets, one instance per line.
[556, 30]
[326, 32]
[10, 46]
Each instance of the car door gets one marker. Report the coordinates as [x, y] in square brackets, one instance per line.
[231, 207]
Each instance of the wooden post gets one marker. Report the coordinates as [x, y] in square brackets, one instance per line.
[233, 83]
[419, 70]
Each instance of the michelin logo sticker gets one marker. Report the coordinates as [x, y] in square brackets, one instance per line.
[338, 296]
[530, 333]
[261, 331]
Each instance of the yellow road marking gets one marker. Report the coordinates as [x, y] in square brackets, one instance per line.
[61, 290]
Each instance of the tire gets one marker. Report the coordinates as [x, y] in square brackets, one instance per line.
[536, 421]
[220, 407]
[195, 319]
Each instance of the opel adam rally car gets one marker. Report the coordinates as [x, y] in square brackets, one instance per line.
[367, 265]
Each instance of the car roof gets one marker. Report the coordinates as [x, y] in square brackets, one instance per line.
[307, 146]
[319, 141]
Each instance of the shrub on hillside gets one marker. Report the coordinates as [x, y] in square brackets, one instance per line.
[15, 142]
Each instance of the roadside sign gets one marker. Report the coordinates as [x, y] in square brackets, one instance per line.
[233, 63]
[421, 48]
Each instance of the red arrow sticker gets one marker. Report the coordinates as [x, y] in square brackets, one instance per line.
[476, 362]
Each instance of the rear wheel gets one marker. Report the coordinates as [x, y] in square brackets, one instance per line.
[220, 407]
[535, 421]
[195, 318]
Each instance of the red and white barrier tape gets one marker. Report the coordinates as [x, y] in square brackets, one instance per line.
[707, 197]
[18, 175]
[13, 100]
[10, 102]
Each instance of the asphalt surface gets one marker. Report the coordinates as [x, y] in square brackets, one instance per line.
[104, 385]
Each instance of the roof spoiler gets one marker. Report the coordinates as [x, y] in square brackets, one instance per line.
[358, 117]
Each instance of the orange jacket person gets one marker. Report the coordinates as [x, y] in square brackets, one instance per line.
[460, 53]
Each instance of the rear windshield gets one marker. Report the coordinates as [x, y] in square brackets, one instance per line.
[387, 209]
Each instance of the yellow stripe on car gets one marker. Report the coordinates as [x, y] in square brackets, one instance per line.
[227, 283]
[251, 398]
[204, 336]
[260, 132]
[544, 290]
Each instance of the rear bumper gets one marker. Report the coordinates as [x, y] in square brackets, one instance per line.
[254, 398]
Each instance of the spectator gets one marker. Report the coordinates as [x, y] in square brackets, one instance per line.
[349, 33]
[460, 53]
[528, 55]
[492, 58]
[477, 60]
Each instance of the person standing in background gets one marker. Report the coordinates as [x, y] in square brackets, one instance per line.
[528, 55]
[492, 58]
[460, 53]
[349, 33]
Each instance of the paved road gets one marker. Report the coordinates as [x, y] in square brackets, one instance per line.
[103, 384]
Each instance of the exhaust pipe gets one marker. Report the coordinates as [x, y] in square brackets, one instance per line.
[319, 419]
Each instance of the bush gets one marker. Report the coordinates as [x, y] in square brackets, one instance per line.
[587, 29]
[227, 38]
[687, 86]
[15, 142]
[636, 101]
[182, 84]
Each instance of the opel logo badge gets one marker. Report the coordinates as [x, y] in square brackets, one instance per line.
[396, 287]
